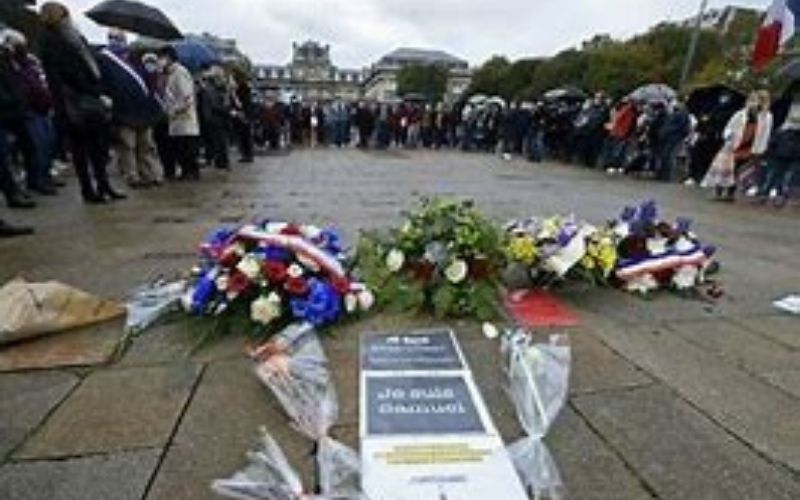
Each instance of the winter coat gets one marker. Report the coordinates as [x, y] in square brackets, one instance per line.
[135, 105]
[734, 131]
[73, 81]
[180, 102]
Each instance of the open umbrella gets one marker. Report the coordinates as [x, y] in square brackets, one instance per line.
[497, 101]
[713, 98]
[196, 55]
[135, 17]
[654, 92]
[565, 94]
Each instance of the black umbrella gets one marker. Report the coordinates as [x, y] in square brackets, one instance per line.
[135, 17]
[714, 98]
[791, 70]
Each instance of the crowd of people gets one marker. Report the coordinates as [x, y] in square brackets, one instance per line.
[147, 113]
[90, 105]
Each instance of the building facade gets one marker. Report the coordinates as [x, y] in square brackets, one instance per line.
[380, 82]
[310, 76]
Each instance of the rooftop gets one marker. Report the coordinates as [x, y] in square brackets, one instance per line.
[409, 55]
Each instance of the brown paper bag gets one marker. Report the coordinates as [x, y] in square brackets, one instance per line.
[29, 310]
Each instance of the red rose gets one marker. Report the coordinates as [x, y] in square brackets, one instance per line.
[341, 285]
[229, 257]
[423, 271]
[480, 269]
[296, 286]
[275, 271]
[292, 230]
[238, 283]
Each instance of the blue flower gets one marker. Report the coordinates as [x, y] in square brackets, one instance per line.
[628, 213]
[203, 293]
[648, 212]
[331, 241]
[274, 253]
[322, 306]
[683, 225]
[220, 236]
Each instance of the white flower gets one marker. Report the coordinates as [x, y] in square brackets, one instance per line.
[265, 310]
[684, 245]
[187, 299]
[350, 303]
[295, 271]
[395, 260]
[366, 299]
[222, 282]
[456, 272]
[657, 246]
[311, 232]
[250, 266]
[686, 277]
[275, 227]
[490, 331]
[643, 284]
[622, 229]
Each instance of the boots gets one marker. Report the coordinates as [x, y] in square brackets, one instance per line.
[9, 231]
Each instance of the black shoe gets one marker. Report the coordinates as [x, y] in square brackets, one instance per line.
[113, 195]
[9, 231]
[58, 183]
[94, 199]
[246, 160]
[21, 202]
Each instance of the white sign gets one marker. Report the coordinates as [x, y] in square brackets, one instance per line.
[426, 433]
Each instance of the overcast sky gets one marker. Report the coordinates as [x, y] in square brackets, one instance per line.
[360, 31]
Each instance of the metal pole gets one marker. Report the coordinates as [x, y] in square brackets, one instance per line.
[698, 24]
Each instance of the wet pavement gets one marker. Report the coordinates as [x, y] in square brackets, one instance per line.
[671, 398]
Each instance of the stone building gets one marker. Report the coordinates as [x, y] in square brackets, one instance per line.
[310, 76]
[380, 82]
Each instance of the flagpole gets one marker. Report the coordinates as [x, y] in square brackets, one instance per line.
[687, 66]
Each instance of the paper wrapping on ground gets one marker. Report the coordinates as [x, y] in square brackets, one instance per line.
[294, 367]
[30, 310]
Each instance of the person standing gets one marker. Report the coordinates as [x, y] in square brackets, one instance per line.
[74, 77]
[11, 112]
[674, 130]
[783, 159]
[136, 111]
[181, 107]
[35, 132]
[746, 139]
[244, 116]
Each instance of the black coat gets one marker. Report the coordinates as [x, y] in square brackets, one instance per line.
[12, 96]
[69, 75]
[134, 103]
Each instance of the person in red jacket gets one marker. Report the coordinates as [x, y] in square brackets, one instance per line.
[620, 129]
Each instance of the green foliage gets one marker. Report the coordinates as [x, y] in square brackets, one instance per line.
[618, 67]
[428, 80]
[434, 240]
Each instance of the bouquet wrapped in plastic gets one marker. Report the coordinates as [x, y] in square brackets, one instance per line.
[294, 367]
[538, 376]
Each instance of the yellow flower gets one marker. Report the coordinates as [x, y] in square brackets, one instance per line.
[523, 249]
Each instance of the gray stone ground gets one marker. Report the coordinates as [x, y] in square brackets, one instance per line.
[670, 398]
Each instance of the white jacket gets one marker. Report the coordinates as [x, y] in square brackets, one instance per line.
[180, 102]
[734, 131]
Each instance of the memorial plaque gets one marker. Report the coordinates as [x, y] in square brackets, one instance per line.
[423, 351]
[421, 405]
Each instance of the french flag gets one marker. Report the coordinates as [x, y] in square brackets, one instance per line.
[777, 30]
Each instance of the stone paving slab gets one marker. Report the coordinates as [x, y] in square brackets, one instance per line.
[788, 380]
[93, 345]
[589, 469]
[678, 451]
[738, 345]
[780, 328]
[757, 412]
[116, 410]
[25, 400]
[221, 424]
[121, 476]
[595, 367]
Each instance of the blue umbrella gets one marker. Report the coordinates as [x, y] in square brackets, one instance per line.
[195, 55]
